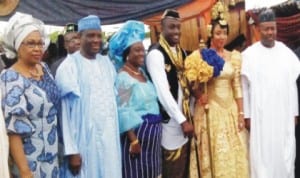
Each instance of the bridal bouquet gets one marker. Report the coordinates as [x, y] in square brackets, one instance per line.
[202, 65]
[214, 60]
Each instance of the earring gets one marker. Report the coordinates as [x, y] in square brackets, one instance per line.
[127, 58]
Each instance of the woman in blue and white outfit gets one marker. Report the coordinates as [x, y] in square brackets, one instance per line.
[3, 148]
[139, 118]
[29, 100]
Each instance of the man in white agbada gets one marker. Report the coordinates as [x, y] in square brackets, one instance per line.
[269, 73]
[89, 114]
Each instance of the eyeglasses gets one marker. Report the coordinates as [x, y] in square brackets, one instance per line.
[72, 40]
[32, 44]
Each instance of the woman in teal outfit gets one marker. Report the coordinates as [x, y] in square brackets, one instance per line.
[139, 118]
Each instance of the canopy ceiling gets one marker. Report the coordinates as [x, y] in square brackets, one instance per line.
[60, 12]
[187, 11]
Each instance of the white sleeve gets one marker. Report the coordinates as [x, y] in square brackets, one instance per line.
[156, 68]
[294, 90]
[246, 97]
[294, 98]
[68, 129]
[246, 86]
[296, 72]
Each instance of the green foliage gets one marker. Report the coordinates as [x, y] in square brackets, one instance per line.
[53, 36]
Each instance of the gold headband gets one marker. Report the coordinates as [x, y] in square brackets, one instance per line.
[220, 13]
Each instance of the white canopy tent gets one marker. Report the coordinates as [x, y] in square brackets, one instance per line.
[254, 4]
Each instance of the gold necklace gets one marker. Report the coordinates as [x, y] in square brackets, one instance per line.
[35, 73]
[134, 72]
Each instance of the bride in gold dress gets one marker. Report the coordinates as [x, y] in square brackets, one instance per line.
[223, 151]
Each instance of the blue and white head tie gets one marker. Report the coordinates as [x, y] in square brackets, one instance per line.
[132, 32]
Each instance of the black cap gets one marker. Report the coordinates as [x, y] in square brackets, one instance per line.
[266, 15]
[170, 13]
[71, 27]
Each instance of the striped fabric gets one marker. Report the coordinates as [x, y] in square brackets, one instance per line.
[148, 163]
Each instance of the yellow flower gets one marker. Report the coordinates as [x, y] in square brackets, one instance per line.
[220, 7]
[196, 69]
[222, 15]
[191, 75]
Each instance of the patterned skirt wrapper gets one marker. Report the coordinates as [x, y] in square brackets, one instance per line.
[148, 163]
